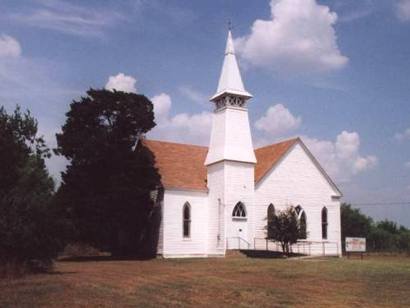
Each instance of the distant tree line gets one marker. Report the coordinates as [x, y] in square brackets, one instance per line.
[380, 236]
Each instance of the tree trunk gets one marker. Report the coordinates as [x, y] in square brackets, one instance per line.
[287, 249]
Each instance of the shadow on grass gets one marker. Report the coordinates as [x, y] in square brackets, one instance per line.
[266, 254]
[104, 258]
[22, 271]
[57, 273]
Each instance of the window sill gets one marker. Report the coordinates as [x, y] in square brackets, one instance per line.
[239, 219]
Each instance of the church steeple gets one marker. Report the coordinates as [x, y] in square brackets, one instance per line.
[230, 81]
[231, 135]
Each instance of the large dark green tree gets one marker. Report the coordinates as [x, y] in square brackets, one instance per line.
[106, 188]
[29, 231]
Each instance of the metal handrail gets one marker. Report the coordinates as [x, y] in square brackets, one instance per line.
[302, 246]
[239, 241]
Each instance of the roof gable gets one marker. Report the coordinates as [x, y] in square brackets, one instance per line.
[322, 171]
[272, 155]
[269, 156]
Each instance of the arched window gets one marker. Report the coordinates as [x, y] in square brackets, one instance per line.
[186, 220]
[271, 212]
[239, 211]
[298, 209]
[270, 216]
[302, 222]
[324, 223]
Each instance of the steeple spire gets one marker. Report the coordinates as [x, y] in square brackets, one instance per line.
[230, 81]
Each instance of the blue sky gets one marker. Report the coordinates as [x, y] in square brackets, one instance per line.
[334, 72]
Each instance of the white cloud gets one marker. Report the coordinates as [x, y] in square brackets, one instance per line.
[407, 164]
[162, 106]
[347, 144]
[193, 95]
[9, 47]
[299, 37]
[341, 158]
[405, 135]
[278, 121]
[183, 127]
[68, 18]
[121, 82]
[403, 10]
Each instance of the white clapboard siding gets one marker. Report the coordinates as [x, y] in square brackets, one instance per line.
[296, 180]
[175, 245]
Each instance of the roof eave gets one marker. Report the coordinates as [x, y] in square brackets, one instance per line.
[319, 166]
[190, 189]
[295, 141]
[244, 94]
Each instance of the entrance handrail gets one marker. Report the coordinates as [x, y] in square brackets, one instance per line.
[240, 239]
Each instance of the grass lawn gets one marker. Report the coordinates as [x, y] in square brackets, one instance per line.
[234, 281]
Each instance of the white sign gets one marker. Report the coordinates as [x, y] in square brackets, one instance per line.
[355, 244]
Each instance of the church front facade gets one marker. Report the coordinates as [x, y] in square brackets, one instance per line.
[221, 197]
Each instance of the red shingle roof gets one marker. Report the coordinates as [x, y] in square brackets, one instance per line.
[182, 165]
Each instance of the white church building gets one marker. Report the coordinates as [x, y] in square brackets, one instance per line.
[219, 197]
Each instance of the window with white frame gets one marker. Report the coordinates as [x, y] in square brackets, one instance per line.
[186, 220]
[324, 223]
[301, 214]
[271, 218]
[239, 212]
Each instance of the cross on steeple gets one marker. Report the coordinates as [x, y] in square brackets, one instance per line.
[230, 27]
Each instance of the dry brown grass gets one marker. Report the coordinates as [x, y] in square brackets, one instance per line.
[234, 281]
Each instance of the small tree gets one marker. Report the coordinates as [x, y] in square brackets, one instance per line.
[285, 228]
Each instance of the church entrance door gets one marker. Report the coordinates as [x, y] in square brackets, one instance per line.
[238, 235]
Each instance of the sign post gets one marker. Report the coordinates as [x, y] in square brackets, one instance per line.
[356, 245]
